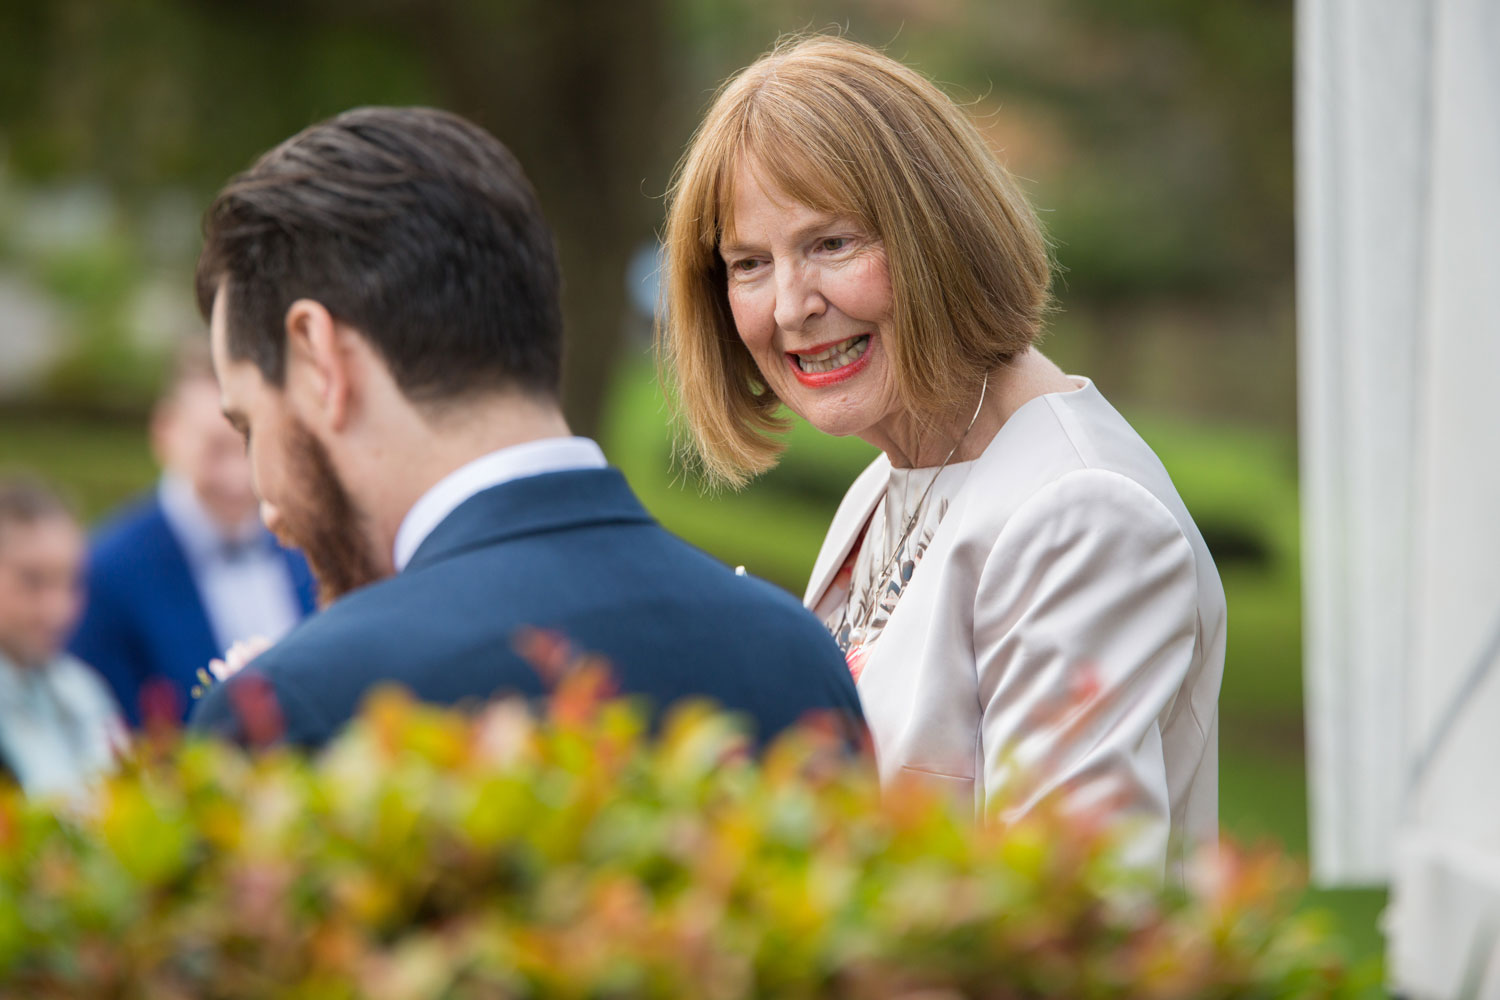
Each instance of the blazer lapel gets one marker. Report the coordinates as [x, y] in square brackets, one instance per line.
[848, 525]
[174, 603]
[303, 584]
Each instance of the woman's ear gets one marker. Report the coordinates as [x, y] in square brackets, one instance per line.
[318, 365]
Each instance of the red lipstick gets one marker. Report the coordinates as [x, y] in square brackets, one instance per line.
[819, 380]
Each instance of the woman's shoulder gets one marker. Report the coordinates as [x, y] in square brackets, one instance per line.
[1062, 433]
[1070, 448]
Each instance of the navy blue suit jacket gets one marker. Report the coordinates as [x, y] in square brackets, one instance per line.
[573, 552]
[144, 620]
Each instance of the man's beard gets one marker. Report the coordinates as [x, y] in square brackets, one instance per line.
[322, 521]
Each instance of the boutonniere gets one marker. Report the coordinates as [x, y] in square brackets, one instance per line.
[220, 670]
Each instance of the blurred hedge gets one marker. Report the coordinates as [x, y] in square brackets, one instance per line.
[429, 854]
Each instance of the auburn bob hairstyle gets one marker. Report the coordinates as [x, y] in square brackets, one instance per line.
[847, 130]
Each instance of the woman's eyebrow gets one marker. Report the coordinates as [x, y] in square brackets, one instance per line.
[734, 249]
[799, 234]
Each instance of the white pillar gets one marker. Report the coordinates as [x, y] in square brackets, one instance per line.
[1362, 190]
[1398, 160]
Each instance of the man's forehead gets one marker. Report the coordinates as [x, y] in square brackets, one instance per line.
[218, 328]
[218, 317]
[224, 368]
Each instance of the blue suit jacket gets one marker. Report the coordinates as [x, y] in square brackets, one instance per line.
[573, 552]
[144, 619]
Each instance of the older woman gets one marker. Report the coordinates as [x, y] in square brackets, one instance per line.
[1024, 601]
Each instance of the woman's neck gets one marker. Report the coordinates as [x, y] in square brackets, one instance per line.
[908, 444]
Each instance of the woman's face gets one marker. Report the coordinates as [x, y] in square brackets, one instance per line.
[811, 297]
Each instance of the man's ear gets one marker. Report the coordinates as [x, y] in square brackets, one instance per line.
[319, 376]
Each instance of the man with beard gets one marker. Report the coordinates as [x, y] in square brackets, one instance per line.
[382, 295]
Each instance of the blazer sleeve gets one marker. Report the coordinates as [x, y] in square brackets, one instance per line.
[1086, 624]
[107, 640]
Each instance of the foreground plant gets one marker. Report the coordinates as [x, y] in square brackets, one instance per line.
[576, 854]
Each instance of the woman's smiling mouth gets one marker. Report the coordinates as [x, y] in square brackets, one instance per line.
[830, 363]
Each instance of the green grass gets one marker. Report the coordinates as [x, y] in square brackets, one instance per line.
[1240, 484]
[96, 463]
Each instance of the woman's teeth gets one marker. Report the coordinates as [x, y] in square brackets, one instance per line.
[846, 352]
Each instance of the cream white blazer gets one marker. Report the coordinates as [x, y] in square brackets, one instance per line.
[1066, 624]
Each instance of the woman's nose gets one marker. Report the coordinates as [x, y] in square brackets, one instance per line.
[798, 297]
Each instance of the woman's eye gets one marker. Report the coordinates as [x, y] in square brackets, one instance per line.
[834, 243]
[748, 264]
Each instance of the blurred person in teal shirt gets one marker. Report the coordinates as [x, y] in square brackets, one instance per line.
[59, 725]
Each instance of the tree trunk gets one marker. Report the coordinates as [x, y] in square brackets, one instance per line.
[577, 90]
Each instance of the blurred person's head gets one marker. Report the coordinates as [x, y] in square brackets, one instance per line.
[41, 560]
[383, 298]
[193, 442]
[840, 240]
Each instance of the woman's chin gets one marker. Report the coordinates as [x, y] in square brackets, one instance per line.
[850, 409]
[838, 430]
[858, 424]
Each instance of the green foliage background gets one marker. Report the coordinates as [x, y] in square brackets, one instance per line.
[1238, 481]
[1153, 135]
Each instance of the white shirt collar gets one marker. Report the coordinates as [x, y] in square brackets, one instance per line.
[200, 536]
[533, 458]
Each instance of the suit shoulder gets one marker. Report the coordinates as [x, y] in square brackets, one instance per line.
[775, 602]
[712, 580]
[139, 523]
[778, 615]
[359, 632]
[351, 625]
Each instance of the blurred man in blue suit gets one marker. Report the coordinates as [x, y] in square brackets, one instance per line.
[180, 576]
[382, 292]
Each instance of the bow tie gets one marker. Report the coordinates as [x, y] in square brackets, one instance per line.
[234, 550]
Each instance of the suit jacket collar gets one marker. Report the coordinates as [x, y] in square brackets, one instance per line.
[200, 538]
[303, 584]
[530, 458]
[553, 501]
[174, 598]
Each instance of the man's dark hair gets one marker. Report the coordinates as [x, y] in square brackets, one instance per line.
[414, 226]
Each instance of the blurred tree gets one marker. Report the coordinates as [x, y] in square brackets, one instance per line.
[575, 88]
[1154, 134]
[154, 92]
